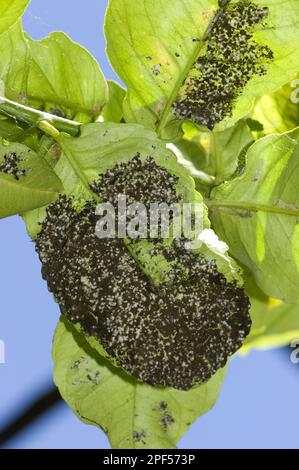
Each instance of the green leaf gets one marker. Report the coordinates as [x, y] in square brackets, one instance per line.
[99, 148]
[274, 323]
[10, 12]
[103, 145]
[26, 180]
[192, 148]
[113, 111]
[64, 75]
[257, 214]
[53, 74]
[143, 52]
[132, 414]
[224, 149]
[14, 63]
[159, 42]
[13, 132]
[216, 153]
[279, 111]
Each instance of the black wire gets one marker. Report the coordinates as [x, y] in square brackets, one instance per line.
[43, 404]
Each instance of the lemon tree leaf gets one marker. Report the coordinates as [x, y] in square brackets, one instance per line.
[279, 111]
[132, 414]
[257, 214]
[153, 50]
[53, 74]
[10, 12]
[113, 111]
[216, 153]
[161, 47]
[274, 323]
[100, 147]
[66, 76]
[26, 180]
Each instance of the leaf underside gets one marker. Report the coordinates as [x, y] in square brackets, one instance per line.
[159, 43]
[257, 214]
[133, 415]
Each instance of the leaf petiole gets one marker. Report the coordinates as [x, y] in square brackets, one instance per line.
[31, 116]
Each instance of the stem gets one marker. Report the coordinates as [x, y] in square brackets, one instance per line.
[48, 129]
[50, 125]
[30, 116]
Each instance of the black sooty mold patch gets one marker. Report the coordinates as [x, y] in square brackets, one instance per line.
[231, 59]
[139, 436]
[176, 334]
[11, 166]
[143, 182]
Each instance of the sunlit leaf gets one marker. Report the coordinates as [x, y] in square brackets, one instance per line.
[216, 153]
[10, 12]
[274, 323]
[158, 43]
[53, 74]
[279, 112]
[132, 414]
[257, 214]
[26, 180]
[113, 111]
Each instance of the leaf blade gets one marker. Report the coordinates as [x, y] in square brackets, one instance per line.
[257, 215]
[154, 66]
[274, 323]
[10, 11]
[151, 93]
[19, 194]
[54, 74]
[113, 110]
[133, 415]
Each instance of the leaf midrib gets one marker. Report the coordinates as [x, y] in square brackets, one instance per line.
[177, 87]
[182, 77]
